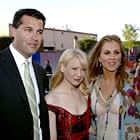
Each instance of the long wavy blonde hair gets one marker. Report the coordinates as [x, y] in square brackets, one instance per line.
[64, 59]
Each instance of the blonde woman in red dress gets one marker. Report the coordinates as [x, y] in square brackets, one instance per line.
[68, 101]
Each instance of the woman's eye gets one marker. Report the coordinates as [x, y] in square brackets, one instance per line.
[84, 69]
[106, 53]
[117, 52]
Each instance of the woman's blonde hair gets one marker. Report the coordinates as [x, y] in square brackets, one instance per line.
[64, 59]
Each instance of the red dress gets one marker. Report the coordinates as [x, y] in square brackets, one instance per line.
[72, 127]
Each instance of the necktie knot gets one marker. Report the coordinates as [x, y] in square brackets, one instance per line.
[26, 63]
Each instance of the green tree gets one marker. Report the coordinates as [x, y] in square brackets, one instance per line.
[130, 34]
[5, 41]
[87, 43]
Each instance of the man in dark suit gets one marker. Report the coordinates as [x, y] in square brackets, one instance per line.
[16, 117]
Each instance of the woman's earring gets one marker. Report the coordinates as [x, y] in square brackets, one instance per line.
[100, 64]
[97, 64]
[62, 70]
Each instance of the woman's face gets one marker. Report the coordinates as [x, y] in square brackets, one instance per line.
[110, 56]
[74, 72]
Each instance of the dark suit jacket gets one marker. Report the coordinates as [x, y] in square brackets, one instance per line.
[16, 122]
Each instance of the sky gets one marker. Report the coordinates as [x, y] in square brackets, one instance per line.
[99, 17]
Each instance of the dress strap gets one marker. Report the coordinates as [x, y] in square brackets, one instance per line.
[89, 101]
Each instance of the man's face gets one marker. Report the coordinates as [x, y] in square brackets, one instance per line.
[28, 36]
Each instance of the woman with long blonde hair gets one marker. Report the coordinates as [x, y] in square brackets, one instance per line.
[68, 101]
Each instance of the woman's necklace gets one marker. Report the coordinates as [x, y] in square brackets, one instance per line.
[108, 106]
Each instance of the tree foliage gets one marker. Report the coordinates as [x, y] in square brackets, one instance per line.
[5, 41]
[130, 34]
[87, 43]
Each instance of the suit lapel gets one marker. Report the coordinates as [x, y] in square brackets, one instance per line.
[39, 82]
[38, 76]
[15, 77]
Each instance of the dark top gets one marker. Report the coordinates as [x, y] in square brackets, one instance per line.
[48, 69]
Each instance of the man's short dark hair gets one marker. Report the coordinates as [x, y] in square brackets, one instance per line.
[29, 12]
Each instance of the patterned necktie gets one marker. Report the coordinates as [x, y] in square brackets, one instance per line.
[30, 91]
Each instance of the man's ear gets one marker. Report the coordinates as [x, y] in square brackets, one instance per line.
[12, 31]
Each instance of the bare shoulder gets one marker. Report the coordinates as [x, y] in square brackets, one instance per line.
[51, 97]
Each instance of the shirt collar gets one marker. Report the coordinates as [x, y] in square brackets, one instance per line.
[20, 59]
